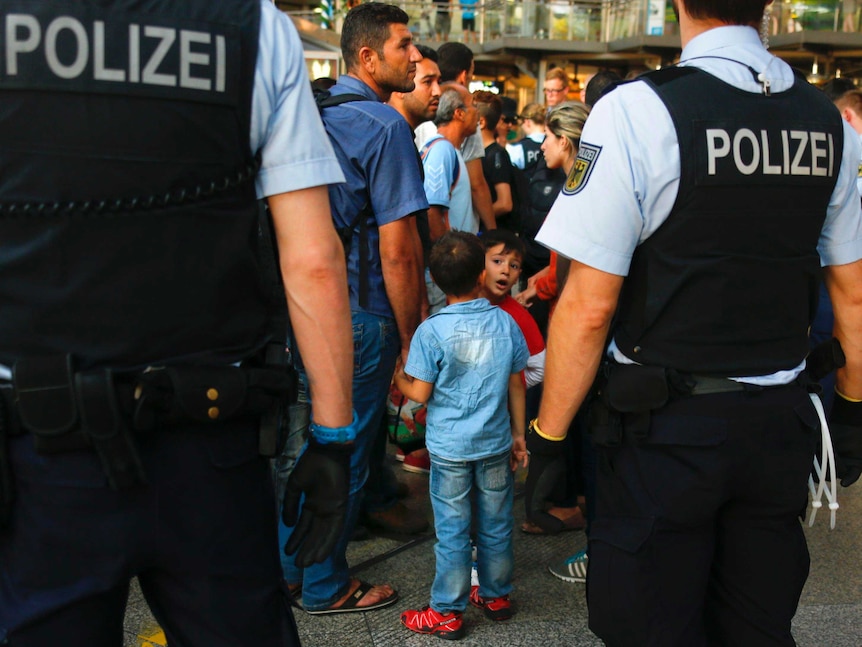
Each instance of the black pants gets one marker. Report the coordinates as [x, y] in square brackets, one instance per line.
[201, 538]
[697, 538]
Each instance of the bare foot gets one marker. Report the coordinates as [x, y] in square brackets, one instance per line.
[375, 595]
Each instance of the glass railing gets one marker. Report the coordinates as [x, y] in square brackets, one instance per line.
[599, 20]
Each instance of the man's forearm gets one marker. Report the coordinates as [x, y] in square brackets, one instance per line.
[312, 263]
[401, 265]
[843, 282]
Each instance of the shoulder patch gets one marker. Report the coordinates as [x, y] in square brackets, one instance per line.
[859, 171]
[588, 155]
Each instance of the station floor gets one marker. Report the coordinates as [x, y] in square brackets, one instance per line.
[548, 611]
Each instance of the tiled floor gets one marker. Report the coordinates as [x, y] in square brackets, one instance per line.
[550, 612]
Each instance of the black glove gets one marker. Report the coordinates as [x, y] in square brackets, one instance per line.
[845, 427]
[546, 469]
[323, 475]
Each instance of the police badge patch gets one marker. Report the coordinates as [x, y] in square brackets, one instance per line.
[588, 154]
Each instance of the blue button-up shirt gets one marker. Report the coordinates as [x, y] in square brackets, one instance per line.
[374, 146]
[468, 351]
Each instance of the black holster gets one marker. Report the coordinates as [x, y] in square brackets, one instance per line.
[625, 396]
[65, 411]
[6, 491]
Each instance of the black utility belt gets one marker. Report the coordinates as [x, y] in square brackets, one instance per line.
[625, 395]
[67, 410]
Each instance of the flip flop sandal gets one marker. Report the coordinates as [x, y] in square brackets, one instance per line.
[349, 605]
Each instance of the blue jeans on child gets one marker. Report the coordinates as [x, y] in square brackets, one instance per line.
[375, 347]
[450, 487]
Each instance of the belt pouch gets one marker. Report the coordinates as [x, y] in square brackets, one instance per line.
[635, 391]
[104, 426]
[45, 395]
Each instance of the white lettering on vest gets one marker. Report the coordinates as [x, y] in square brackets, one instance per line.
[14, 46]
[101, 72]
[198, 59]
[803, 153]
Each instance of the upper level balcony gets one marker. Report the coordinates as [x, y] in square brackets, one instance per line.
[819, 36]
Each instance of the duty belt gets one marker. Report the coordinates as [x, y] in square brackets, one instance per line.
[67, 410]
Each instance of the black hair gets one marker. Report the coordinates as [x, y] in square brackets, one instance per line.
[367, 25]
[506, 238]
[732, 12]
[454, 58]
[834, 88]
[322, 83]
[456, 262]
[597, 85]
[428, 52]
[490, 107]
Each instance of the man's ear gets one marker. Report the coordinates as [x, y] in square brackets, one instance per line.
[368, 58]
[482, 123]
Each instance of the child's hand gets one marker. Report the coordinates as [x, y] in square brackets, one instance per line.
[519, 453]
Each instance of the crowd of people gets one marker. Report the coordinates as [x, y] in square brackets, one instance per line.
[549, 288]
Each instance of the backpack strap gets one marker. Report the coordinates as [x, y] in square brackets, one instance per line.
[326, 99]
[424, 153]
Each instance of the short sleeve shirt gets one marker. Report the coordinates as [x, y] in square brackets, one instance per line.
[631, 182]
[447, 183]
[285, 125]
[468, 351]
[374, 145]
[471, 149]
[497, 167]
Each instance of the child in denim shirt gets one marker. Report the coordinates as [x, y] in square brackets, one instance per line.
[465, 362]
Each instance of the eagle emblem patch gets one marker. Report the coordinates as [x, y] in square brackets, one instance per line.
[588, 155]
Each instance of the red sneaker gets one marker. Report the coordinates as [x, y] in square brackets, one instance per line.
[418, 462]
[494, 608]
[448, 626]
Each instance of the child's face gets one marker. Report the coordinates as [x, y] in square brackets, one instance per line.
[502, 271]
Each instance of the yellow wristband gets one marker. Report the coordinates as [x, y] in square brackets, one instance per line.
[534, 427]
[847, 397]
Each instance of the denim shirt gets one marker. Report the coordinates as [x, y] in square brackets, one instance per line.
[374, 145]
[468, 351]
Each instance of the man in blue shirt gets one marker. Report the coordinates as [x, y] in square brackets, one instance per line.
[374, 145]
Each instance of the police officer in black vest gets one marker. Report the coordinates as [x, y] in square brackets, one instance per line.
[140, 372]
[704, 199]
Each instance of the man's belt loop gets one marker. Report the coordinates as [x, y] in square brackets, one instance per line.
[103, 424]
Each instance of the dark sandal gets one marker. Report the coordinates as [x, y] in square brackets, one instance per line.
[349, 605]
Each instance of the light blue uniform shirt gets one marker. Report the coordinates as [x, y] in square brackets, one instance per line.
[468, 351]
[285, 124]
[631, 185]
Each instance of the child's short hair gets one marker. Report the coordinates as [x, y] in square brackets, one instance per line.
[506, 238]
[456, 262]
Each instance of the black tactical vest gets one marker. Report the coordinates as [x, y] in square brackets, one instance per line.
[128, 220]
[727, 286]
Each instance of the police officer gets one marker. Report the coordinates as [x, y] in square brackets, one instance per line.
[136, 355]
[705, 260]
